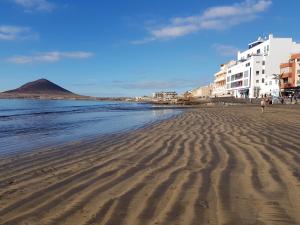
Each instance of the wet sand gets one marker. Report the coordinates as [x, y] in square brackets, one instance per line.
[231, 165]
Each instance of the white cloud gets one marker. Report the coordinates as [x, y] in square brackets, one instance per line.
[214, 18]
[11, 33]
[36, 5]
[48, 57]
[226, 50]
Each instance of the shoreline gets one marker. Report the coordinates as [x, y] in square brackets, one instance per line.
[66, 97]
[92, 138]
[98, 136]
[211, 165]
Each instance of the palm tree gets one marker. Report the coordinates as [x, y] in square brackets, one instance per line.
[278, 77]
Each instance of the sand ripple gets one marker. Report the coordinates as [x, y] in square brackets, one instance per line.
[207, 166]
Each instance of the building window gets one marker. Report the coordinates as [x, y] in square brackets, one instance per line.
[257, 73]
[238, 76]
[298, 71]
[258, 51]
[263, 80]
[263, 71]
[237, 84]
[246, 82]
[257, 81]
[228, 79]
[268, 47]
[229, 71]
[263, 62]
[248, 64]
[246, 73]
[270, 83]
[298, 60]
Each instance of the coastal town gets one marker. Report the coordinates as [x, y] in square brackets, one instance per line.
[269, 67]
[149, 112]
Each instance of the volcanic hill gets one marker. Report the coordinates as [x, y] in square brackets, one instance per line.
[41, 87]
[45, 89]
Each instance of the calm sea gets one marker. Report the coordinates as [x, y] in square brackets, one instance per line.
[32, 124]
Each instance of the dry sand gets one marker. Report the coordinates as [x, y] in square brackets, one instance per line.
[228, 166]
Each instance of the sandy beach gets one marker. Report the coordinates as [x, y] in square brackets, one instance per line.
[214, 165]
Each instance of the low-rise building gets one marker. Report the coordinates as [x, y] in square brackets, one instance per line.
[202, 92]
[143, 99]
[252, 74]
[165, 95]
[290, 75]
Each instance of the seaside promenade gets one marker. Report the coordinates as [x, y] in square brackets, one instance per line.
[211, 165]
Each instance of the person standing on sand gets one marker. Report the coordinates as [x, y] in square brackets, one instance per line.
[262, 104]
[295, 99]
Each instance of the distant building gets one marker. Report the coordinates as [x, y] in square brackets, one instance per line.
[252, 74]
[165, 95]
[290, 78]
[143, 99]
[219, 85]
[202, 92]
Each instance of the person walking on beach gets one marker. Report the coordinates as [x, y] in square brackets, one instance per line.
[295, 99]
[262, 104]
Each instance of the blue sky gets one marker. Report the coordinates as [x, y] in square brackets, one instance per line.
[132, 47]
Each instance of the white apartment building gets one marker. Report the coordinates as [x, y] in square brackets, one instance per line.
[219, 85]
[252, 74]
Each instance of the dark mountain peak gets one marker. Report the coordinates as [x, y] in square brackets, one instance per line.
[41, 86]
[43, 80]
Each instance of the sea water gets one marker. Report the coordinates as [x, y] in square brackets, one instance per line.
[35, 124]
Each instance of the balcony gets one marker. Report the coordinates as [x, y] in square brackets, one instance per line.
[286, 85]
[220, 73]
[286, 65]
[287, 75]
[220, 79]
